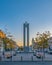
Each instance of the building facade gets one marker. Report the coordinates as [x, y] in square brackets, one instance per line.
[34, 45]
[50, 42]
[1, 45]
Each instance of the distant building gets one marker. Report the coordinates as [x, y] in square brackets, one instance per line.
[1, 45]
[50, 42]
[34, 44]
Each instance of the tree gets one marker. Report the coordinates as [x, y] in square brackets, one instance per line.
[8, 44]
[42, 40]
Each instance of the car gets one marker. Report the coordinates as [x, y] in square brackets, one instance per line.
[50, 51]
[17, 51]
[39, 54]
[8, 55]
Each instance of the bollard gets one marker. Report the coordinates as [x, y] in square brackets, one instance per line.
[0, 58]
[42, 58]
[32, 58]
[21, 58]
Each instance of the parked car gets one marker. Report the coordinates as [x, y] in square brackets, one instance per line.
[39, 54]
[50, 51]
[8, 54]
[19, 51]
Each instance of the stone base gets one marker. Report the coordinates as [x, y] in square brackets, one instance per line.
[26, 49]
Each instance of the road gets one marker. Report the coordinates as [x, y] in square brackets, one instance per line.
[25, 63]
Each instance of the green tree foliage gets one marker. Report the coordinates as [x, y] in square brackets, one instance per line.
[20, 48]
[8, 44]
[42, 39]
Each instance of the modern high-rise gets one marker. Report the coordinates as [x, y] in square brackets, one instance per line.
[26, 36]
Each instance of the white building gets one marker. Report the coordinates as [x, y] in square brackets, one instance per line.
[34, 44]
[1, 45]
[50, 42]
[1, 48]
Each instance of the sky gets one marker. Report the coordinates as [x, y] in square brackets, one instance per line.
[13, 13]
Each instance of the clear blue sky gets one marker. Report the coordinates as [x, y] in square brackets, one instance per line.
[14, 13]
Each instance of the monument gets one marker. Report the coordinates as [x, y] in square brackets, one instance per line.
[26, 36]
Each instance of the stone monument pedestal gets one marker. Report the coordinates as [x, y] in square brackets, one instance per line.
[26, 49]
